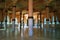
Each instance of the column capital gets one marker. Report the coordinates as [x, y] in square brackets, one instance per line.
[1, 9]
[14, 6]
[5, 20]
[47, 6]
[13, 19]
[54, 11]
[30, 17]
[47, 19]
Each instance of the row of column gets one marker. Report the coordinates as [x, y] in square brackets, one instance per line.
[30, 17]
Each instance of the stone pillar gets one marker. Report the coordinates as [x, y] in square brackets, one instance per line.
[53, 20]
[20, 19]
[1, 18]
[5, 19]
[47, 20]
[57, 21]
[47, 12]
[13, 17]
[40, 21]
[30, 17]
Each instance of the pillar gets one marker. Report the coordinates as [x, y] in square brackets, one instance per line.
[53, 20]
[13, 18]
[5, 19]
[57, 21]
[1, 18]
[30, 17]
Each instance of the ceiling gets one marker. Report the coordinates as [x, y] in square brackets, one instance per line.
[37, 4]
[23, 4]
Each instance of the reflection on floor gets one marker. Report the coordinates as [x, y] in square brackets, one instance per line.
[47, 33]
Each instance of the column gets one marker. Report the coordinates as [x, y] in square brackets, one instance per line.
[1, 18]
[5, 19]
[30, 17]
[20, 19]
[53, 20]
[47, 10]
[57, 21]
[13, 18]
[40, 21]
[47, 20]
[14, 12]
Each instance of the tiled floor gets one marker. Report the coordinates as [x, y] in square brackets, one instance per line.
[38, 34]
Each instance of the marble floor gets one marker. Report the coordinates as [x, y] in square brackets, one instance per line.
[50, 33]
